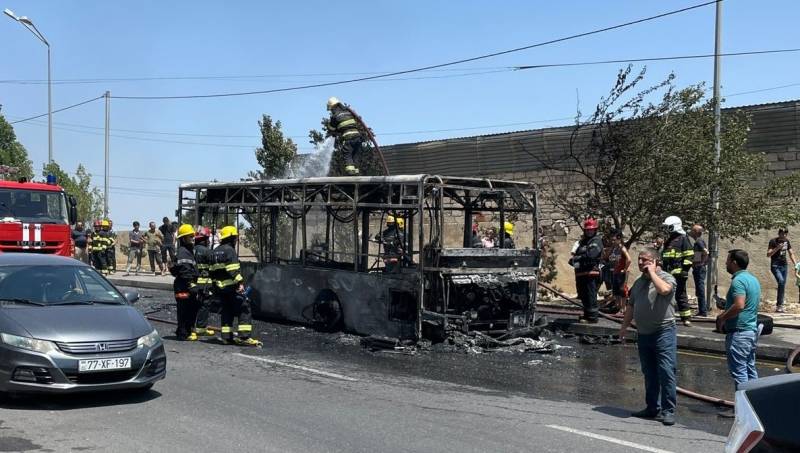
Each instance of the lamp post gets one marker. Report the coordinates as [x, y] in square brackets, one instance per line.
[27, 23]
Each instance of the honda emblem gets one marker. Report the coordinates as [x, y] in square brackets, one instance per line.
[102, 347]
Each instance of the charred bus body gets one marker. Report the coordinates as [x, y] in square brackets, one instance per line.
[319, 258]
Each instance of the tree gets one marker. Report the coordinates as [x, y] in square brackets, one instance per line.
[640, 162]
[90, 199]
[12, 153]
[276, 152]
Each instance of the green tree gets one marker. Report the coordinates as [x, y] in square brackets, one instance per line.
[12, 153]
[641, 161]
[90, 199]
[276, 153]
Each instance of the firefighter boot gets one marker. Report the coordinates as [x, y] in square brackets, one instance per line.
[351, 170]
[192, 337]
[248, 342]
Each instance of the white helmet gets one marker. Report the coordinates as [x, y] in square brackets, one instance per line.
[673, 224]
[333, 101]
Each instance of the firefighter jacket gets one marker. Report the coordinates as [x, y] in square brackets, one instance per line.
[100, 241]
[204, 257]
[225, 270]
[185, 272]
[392, 239]
[676, 259]
[587, 257]
[343, 123]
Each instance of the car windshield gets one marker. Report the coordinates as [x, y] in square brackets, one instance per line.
[55, 285]
[33, 206]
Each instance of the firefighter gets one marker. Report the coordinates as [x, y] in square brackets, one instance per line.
[111, 248]
[586, 262]
[677, 260]
[229, 287]
[203, 257]
[184, 269]
[100, 247]
[508, 239]
[393, 241]
[344, 127]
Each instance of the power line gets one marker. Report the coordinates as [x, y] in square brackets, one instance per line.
[59, 110]
[762, 90]
[637, 60]
[426, 68]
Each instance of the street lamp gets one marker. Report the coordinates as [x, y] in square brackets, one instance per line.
[27, 23]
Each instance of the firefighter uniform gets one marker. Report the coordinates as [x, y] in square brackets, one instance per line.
[100, 242]
[229, 287]
[586, 262]
[204, 259]
[508, 239]
[677, 260]
[184, 269]
[344, 126]
[111, 249]
[393, 241]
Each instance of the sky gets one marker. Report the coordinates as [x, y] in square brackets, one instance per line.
[202, 47]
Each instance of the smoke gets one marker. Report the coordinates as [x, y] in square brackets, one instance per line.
[314, 164]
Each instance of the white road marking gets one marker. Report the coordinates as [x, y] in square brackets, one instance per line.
[297, 367]
[608, 439]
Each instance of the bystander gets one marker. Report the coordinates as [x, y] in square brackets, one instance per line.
[651, 303]
[777, 251]
[80, 238]
[135, 248]
[167, 230]
[153, 240]
[699, 263]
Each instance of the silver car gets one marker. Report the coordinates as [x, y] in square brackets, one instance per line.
[64, 328]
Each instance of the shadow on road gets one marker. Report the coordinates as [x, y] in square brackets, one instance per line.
[613, 411]
[77, 401]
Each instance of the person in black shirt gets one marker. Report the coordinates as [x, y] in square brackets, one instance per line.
[167, 230]
[777, 251]
[699, 264]
[80, 237]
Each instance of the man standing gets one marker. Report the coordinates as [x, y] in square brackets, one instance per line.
[739, 320]
[777, 250]
[204, 258]
[111, 247]
[154, 240]
[100, 243]
[135, 249]
[393, 240]
[344, 127]
[699, 263]
[651, 304]
[585, 261]
[229, 286]
[185, 286]
[80, 237]
[677, 260]
[508, 236]
[168, 246]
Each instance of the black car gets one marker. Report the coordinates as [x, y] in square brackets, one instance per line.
[64, 328]
[766, 416]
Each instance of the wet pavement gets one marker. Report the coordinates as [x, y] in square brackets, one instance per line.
[606, 376]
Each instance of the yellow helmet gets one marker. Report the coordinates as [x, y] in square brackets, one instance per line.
[105, 223]
[333, 101]
[401, 223]
[185, 230]
[390, 219]
[508, 227]
[227, 232]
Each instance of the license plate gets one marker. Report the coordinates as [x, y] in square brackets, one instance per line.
[117, 363]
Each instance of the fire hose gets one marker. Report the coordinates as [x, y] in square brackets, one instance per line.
[681, 390]
[371, 138]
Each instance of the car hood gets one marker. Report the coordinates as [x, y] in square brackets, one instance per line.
[76, 323]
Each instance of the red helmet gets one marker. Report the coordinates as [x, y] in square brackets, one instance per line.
[202, 233]
[97, 223]
[590, 224]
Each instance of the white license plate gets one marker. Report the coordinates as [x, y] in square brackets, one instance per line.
[117, 363]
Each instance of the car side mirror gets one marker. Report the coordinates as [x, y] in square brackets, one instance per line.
[131, 297]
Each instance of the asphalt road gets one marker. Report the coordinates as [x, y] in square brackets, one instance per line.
[308, 391]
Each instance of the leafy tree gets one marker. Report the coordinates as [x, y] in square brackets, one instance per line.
[640, 162]
[90, 199]
[12, 153]
[276, 152]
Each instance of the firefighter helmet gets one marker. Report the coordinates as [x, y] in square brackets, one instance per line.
[401, 222]
[105, 223]
[673, 224]
[185, 230]
[590, 224]
[202, 233]
[333, 101]
[390, 220]
[227, 232]
[508, 227]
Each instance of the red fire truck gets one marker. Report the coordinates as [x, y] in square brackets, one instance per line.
[36, 218]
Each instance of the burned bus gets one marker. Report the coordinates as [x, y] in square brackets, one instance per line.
[318, 257]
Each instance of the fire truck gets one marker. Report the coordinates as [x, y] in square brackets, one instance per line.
[36, 217]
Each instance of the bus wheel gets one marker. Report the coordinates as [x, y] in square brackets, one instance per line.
[327, 314]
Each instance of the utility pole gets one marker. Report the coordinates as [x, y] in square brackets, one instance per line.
[107, 95]
[713, 240]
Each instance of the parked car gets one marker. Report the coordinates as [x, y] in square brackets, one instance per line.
[766, 416]
[64, 328]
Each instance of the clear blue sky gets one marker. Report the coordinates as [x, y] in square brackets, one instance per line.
[106, 40]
